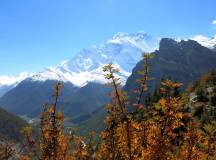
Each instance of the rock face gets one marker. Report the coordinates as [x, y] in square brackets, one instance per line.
[183, 61]
[83, 90]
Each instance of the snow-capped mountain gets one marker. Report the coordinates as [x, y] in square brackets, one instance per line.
[123, 50]
[206, 41]
[185, 60]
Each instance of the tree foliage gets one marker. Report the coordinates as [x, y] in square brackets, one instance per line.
[163, 129]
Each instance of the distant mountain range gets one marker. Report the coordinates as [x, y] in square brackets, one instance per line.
[124, 50]
[84, 90]
[79, 75]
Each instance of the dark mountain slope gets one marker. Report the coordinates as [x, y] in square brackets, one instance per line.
[86, 100]
[10, 126]
[183, 61]
[28, 97]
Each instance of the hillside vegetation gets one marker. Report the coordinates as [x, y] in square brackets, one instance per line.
[183, 61]
[172, 127]
[203, 97]
[10, 126]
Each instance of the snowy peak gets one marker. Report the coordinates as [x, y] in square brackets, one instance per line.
[63, 74]
[140, 40]
[114, 50]
[123, 50]
[122, 37]
[205, 41]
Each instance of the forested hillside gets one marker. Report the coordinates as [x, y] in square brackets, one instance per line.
[172, 127]
[10, 126]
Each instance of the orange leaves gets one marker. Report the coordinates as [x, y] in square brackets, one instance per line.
[24, 158]
[169, 83]
[163, 102]
[51, 109]
[54, 144]
[109, 107]
[191, 149]
[136, 125]
[169, 87]
[151, 132]
[60, 116]
[179, 115]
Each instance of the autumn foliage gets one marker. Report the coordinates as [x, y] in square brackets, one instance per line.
[163, 130]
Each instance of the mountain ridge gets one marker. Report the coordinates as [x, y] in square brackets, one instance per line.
[86, 66]
[184, 61]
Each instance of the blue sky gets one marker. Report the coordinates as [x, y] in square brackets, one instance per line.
[38, 33]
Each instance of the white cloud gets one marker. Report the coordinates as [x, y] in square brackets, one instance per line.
[10, 80]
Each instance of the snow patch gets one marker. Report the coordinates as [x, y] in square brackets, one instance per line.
[205, 41]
